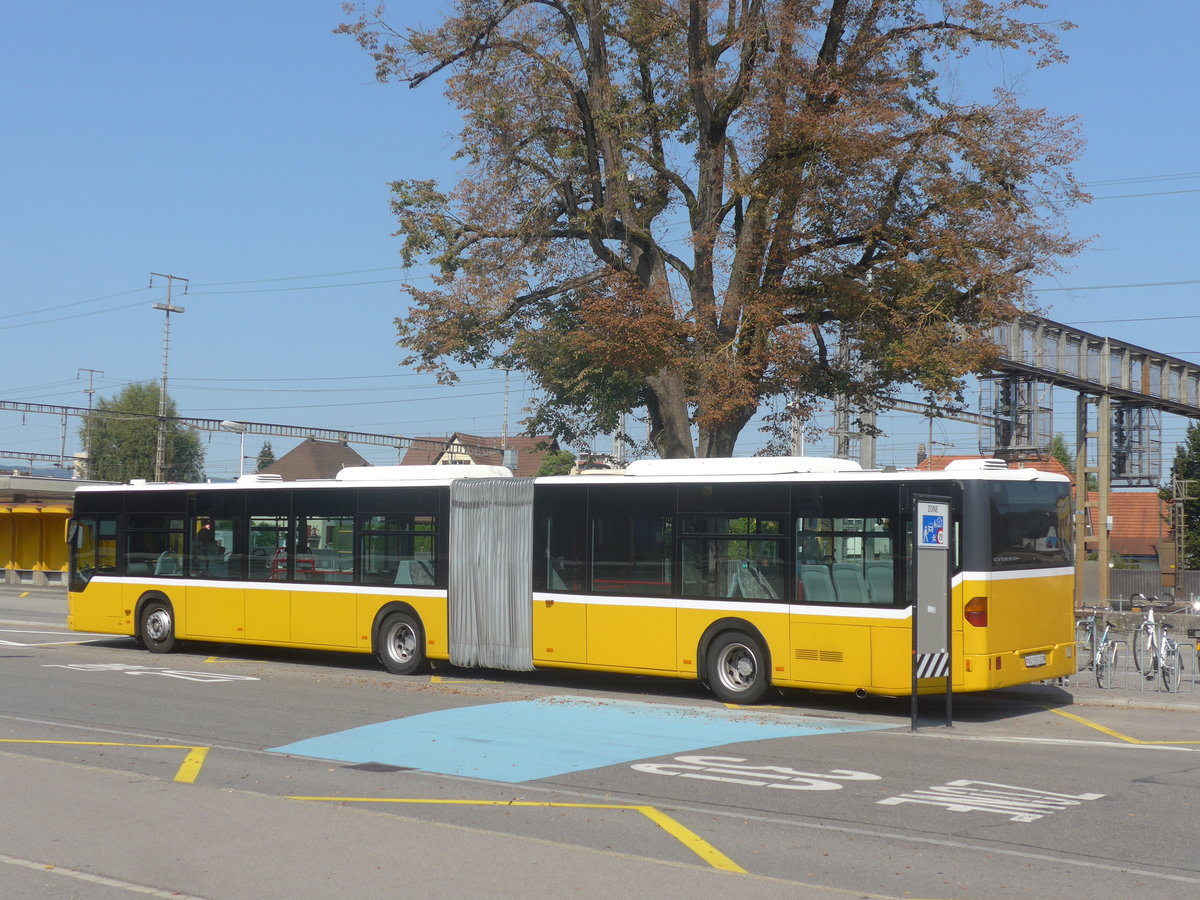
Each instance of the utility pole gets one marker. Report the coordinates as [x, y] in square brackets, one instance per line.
[1181, 493]
[160, 456]
[87, 423]
[504, 431]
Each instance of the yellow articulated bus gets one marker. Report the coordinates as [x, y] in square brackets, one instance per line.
[742, 573]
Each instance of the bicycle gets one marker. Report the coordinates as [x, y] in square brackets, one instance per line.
[1155, 650]
[1096, 651]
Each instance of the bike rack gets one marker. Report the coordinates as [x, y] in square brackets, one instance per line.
[1187, 677]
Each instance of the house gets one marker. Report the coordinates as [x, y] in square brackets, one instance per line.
[314, 459]
[1140, 525]
[523, 455]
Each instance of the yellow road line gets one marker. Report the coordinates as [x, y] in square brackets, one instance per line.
[1090, 724]
[191, 765]
[685, 836]
[1111, 733]
[690, 839]
[186, 774]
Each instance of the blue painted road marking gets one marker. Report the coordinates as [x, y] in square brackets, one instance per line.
[530, 739]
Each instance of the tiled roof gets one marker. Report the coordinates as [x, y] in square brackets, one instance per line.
[314, 459]
[1139, 522]
[530, 451]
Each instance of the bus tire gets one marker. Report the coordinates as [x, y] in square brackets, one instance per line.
[156, 625]
[736, 668]
[400, 644]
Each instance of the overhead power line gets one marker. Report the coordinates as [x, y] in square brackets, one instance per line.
[1112, 287]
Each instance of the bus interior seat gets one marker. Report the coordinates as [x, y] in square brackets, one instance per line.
[166, 564]
[554, 577]
[818, 586]
[849, 583]
[414, 573]
[748, 581]
[880, 582]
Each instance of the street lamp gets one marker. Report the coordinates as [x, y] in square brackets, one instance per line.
[240, 429]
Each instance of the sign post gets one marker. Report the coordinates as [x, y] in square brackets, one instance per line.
[932, 639]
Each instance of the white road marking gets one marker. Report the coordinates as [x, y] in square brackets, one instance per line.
[1020, 804]
[96, 879]
[726, 768]
[126, 669]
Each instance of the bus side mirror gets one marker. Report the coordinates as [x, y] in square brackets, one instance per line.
[74, 534]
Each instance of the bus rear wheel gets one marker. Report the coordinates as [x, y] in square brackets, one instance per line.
[736, 668]
[156, 626]
[401, 644]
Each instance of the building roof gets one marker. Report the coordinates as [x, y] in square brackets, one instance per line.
[314, 459]
[37, 490]
[1140, 522]
[460, 448]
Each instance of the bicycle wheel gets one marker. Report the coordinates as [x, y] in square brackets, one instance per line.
[1172, 667]
[1143, 642]
[1106, 665]
[1085, 640]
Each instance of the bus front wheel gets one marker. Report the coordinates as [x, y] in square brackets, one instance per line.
[736, 668]
[401, 644]
[157, 626]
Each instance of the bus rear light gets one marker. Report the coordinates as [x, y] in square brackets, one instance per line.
[976, 611]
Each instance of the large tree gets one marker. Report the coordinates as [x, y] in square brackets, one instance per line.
[692, 207]
[266, 457]
[121, 447]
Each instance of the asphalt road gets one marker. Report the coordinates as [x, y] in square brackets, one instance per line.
[224, 772]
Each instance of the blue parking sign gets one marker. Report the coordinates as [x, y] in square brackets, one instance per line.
[932, 534]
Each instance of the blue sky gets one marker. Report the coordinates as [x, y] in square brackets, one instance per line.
[247, 148]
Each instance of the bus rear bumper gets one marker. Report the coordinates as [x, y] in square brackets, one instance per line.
[984, 672]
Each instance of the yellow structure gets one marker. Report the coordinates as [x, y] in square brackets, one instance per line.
[33, 529]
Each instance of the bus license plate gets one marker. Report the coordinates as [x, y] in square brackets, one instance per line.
[1033, 660]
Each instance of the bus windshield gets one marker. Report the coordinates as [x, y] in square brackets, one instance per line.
[1030, 524]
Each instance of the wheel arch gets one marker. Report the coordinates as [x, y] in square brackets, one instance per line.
[731, 623]
[147, 597]
[386, 610]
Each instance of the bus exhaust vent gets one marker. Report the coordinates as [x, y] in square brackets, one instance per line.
[832, 656]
